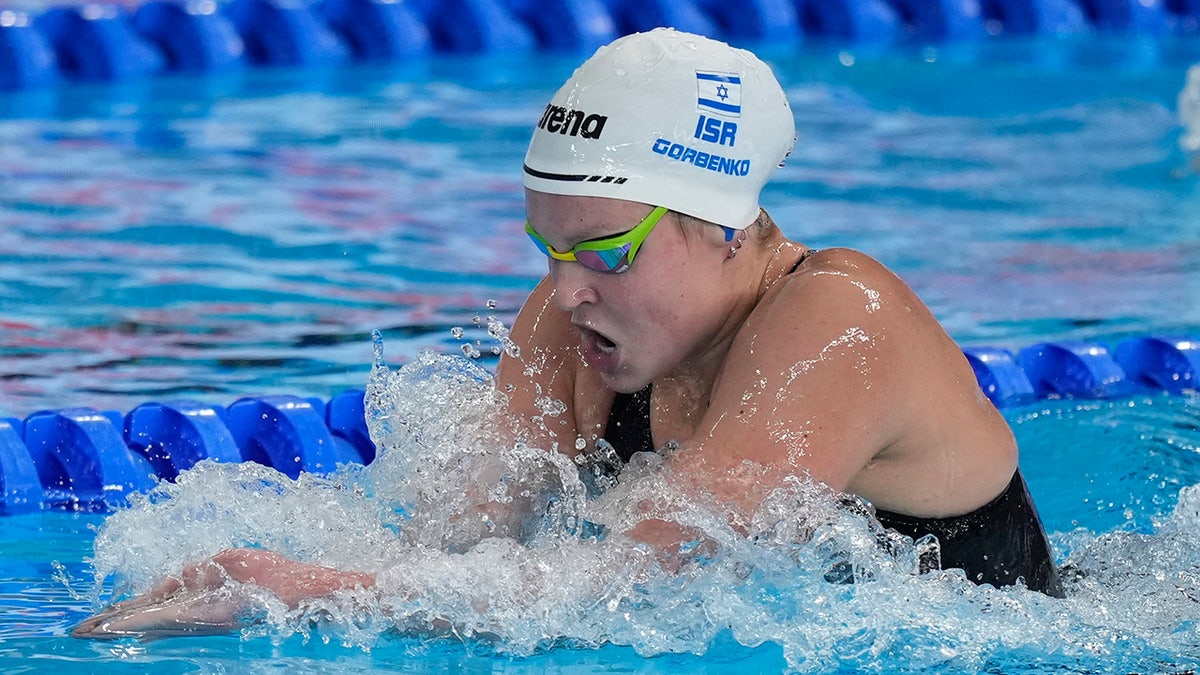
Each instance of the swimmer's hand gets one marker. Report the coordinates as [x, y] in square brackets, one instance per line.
[216, 596]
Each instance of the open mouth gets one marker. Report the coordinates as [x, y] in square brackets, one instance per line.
[599, 350]
[603, 344]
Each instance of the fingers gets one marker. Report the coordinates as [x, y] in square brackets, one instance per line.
[166, 588]
[187, 613]
[87, 628]
[168, 603]
[212, 596]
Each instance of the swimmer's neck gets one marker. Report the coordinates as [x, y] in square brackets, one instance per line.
[683, 394]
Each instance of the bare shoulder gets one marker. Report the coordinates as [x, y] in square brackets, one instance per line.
[841, 368]
[840, 291]
[812, 381]
[851, 313]
[846, 271]
[877, 398]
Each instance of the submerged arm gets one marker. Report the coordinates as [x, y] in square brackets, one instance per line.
[203, 601]
[224, 593]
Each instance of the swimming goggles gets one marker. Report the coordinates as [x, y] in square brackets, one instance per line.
[610, 255]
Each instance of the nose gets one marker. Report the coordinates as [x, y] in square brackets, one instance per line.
[572, 284]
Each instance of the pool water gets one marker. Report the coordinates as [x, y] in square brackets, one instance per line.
[243, 235]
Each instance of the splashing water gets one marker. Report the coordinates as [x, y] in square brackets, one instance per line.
[495, 329]
[501, 543]
[1189, 112]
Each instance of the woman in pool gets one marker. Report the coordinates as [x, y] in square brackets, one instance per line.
[676, 312]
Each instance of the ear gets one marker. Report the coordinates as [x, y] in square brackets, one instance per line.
[737, 244]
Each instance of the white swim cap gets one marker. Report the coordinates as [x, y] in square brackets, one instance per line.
[669, 119]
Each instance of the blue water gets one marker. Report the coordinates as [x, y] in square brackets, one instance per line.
[216, 238]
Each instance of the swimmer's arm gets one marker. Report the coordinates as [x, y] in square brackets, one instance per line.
[546, 371]
[848, 378]
[815, 385]
[803, 393]
[292, 581]
[202, 601]
[538, 386]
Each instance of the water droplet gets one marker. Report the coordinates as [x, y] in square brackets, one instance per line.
[550, 407]
[457, 332]
[377, 347]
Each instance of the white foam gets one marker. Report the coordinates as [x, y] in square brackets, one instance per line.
[534, 580]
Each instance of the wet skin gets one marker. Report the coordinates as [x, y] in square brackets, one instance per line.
[217, 596]
[835, 371]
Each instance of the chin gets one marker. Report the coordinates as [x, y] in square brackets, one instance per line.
[624, 382]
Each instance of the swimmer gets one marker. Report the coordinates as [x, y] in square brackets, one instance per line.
[677, 315]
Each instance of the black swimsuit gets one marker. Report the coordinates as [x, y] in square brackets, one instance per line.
[998, 543]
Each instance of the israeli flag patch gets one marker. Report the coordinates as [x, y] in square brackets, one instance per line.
[720, 93]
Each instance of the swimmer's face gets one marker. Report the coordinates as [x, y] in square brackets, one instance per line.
[648, 320]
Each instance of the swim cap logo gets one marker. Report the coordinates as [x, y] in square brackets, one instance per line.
[730, 166]
[559, 120]
[713, 130]
[719, 93]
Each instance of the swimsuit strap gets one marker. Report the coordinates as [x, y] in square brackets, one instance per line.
[804, 256]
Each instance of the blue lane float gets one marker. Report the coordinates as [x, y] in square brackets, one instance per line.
[377, 30]
[486, 26]
[288, 433]
[20, 486]
[941, 20]
[345, 417]
[757, 20]
[193, 36]
[566, 25]
[282, 33]
[642, 15]
[1076, 369]
[999, 375]
[98, 43]
[173, 436]
[26, 59]
[1144, 17]
[854, 21]
[1033, 17]
[84, 459]
[1172, 365]
[1183, 16]
[115, 42]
